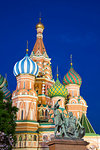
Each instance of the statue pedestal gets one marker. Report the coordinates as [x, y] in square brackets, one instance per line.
[67, 144]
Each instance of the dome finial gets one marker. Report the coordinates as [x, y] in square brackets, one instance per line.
[57, 72]
[71, 60]
[40, 18]
[40, 25]
[27, 48]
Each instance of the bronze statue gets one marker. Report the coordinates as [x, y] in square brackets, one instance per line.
[67, 126]
[59, 124]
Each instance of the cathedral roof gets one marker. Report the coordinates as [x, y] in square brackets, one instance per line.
[39, 48]
[26, 66]
[72, 77]
[86, 124]
[57, 90]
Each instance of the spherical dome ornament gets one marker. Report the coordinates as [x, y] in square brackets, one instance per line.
[40, 25]
[26, 66]
[72, 77]
[57, 90]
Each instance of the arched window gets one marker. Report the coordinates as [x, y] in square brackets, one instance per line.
[35, 137]
[46, 113]
[22, 115]
[42, 112]
[37, 91]
[20, 138]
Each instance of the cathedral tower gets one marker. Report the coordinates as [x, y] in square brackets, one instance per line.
[44, 80]
[75, 103]
[25, 98]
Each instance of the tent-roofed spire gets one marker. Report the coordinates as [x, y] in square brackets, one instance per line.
[86, 124]
[39, 48]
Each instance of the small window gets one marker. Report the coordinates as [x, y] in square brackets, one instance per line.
[46, 113]
[42, 112]
[20, 138]
[35, 138]
[22, 115]
[37, 91]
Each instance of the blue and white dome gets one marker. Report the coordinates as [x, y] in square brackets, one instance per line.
[26, 66]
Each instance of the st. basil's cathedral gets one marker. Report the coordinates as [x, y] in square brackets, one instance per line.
[35, 95]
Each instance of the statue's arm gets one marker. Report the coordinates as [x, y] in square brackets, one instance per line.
[55, 105]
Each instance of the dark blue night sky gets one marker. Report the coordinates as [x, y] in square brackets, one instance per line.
[71, 27]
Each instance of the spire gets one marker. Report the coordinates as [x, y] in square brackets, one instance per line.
[40, 18]
[27, 48]
[71, 60]
[57, 72]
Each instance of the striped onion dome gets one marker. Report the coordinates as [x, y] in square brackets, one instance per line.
[57, 90]
[26, 66]
[72, 77]
[3, 87]
[3, 81]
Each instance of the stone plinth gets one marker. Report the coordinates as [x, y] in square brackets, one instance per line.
[67, 144]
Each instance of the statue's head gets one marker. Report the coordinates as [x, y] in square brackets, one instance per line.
[70, 114]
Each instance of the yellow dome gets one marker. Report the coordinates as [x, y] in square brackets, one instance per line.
[40, 25]
[57, 90]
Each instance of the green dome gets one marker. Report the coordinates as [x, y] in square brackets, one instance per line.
[72, 77]
[57, 90]
[1, 79]
[3, 82]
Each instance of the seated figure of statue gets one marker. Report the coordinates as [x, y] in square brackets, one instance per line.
[71, 127]
[67, 126]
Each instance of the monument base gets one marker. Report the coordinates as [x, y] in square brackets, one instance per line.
[67, 144]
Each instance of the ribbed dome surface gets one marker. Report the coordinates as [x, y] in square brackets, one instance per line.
[3, 87]
[57, 90]
[26, 66]
[72, 77]
[1, 79]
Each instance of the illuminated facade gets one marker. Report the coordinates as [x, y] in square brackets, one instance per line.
[36, 93]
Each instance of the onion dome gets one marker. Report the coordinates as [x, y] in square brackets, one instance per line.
[57, 90]
[3, 81]
[40, 25]
[3, 87]
[7, 93]
[72, 77]
[26, 66]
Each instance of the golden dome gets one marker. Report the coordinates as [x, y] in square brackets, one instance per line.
[40, 25]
